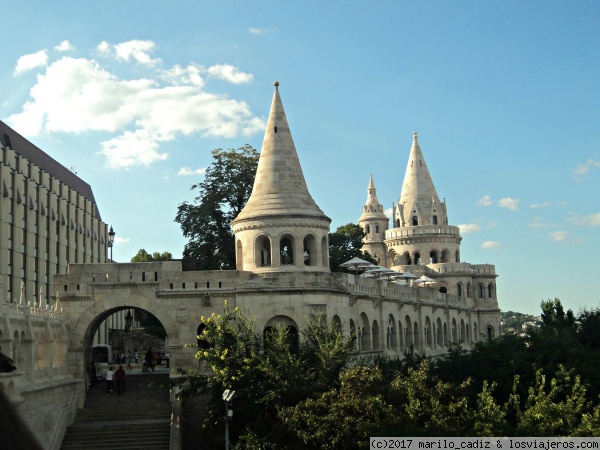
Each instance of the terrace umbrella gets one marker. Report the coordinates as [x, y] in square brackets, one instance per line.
[425, 281]
[357, 264]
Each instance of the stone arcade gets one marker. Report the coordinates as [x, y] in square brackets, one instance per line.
[282, 277]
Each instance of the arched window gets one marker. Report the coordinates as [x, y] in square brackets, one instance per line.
[415, 220]
[406, 259]
[490, 332]
[398, 223]
[368, 229]
[375, 334]
[480, 290]
[416, 337]
[310, 250]
[408, 333]
[428, 342]
[434, 220]
[263, 251]
[490, 291]
[459, 289]
[286, 251]
[457, 256]
[433, 257]
[445, 256]
[377, 228]
[454, 331]
[417, 258]
[468, 290]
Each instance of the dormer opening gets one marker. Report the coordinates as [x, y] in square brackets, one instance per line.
[415, 220]
[434, 220]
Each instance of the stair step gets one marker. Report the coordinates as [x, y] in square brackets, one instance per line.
[138, 419]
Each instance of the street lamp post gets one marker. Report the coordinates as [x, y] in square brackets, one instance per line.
[227, 397]
[111, 241]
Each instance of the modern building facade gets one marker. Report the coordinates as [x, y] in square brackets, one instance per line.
[48, 219]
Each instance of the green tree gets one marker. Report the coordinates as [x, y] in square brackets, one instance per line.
[589, 328]
[554, 316]
[222, 194]
[346, 243]
[143, 256]
[267, 372]
[557, 411]
[341, 418]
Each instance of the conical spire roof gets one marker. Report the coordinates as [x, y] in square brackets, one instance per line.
[372, 208]
[418, 186]
[279, 187]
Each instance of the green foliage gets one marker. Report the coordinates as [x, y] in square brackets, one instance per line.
[316, 394]
[513, 322]
[554, 316]
[589, 328]
[222, 194]
[555, 412]
[143, 256]
[344, 418]
[346, 243]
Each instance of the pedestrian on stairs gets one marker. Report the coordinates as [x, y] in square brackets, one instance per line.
[109, 380]
[120, 379]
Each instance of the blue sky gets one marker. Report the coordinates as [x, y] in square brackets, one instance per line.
[505, 97]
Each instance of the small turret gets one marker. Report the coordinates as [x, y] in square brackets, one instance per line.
[374, 223]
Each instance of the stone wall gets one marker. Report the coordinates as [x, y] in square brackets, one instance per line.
[41, 390]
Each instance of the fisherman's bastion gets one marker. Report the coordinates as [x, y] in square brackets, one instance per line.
[50, 224]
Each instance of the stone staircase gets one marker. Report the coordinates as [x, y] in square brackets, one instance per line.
[137, 419]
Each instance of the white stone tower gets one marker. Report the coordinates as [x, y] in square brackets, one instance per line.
[281, 228]
[374, 223]
[421, 234]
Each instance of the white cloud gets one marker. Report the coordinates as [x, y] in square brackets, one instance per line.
[559, 235]
[388, 212]
[589, 220]
[261, 31]
[192, 74]
[541, 223]
[103, 49]
[485, 201]
[509, 203]
[75, 95]
[584, 168]
[136, 50]
[491, 244]
[120, 240]
[32, 61]
[64, 46]
[468, 228]
[230, 73]
[132, 149]
[186, 171]
[540, 205]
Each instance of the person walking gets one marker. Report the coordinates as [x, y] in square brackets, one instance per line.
[119, 377]
[129, 361]
[109, 380]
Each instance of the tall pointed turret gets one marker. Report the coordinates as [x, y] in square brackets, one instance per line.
[374, 223]
[279, 187]
[421, 233]
[281, 227]
[419, 203]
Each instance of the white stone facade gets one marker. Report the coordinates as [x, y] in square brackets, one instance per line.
[282, 278]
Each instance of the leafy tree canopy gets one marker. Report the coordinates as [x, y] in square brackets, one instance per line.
[143, 256]
[346, 243]
[554, 316]
[221, 195]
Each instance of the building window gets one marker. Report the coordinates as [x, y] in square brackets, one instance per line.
[434, 220]
[415, 220]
